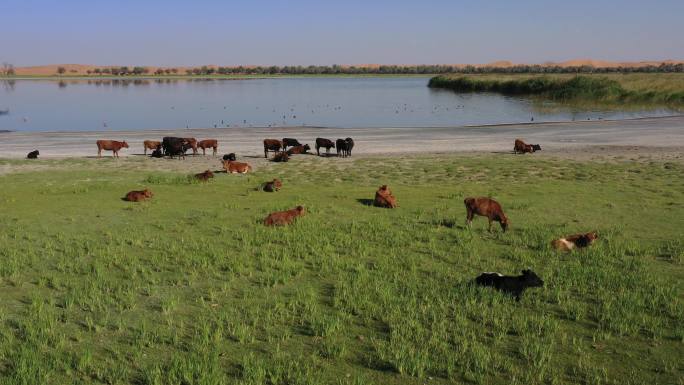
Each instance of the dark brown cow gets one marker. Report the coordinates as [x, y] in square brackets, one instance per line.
[272, 145]
[138, 196]
[151, 145]
[522, 147]
[574, 241]
[384, 198]
[233, 167]
[485, 207]
[299, 150]
[273, 185]
[193, 144]
[290, 142]
[281, 157]
[280, 218]
[205, 176]
[208, 143]
[323, 142]
[110, 145]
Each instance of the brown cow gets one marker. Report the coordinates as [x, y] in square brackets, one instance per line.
[280, 218]
[281, 157]
[138, 196]
[574, 241]
[299, 150]
[272, 145]
[273, 185]
[110, 145]
[208, 143]
[151, 145]
[204, 176]
[192, 142]
[384, 198]
[234, 167]
[522, 147]
[485, 207]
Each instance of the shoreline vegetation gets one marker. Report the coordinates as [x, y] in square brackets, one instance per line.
[611, 88]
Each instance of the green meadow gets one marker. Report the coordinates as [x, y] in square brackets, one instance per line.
[191, 288]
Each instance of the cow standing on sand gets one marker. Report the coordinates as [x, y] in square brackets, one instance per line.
[151, 145]
[110, 145]
[193, 144]
[274, 145]
[175, 146]
[208, 143]
[290, 142]
[344, 147]
[323, 142]
[485, 207]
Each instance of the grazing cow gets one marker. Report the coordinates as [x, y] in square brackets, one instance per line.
[138, 196]
[485, 207]
[233, 167]
[33, 154]
[536, 147]
[299, 149]
[272, 145]
[193, 144]
[290, 142]
[574, 241]
[151, 145]
[175, 146]
[522, 147]
[384, 198]
[158, 153]
[208, 143]
[273, 185]
[280, 157]
[322, 142]
[110, 145]
[280, 218]
[513, 285]
[204, 176]
[230, 156]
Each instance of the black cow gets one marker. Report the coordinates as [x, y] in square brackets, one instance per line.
[33, 154]
[341, 147]
[290, 142]
[157, 153]
[175, 146]
[536, 147]
[322, 142]
[510, 284]
[350, 145]
[230, 156]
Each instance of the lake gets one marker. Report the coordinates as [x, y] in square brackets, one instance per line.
[124, 104]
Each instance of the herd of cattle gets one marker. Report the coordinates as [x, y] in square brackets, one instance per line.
[283, 149]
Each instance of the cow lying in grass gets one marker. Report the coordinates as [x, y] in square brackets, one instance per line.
[514, 286]
[299, 150]
[280, 157]
[485, 207]
[522, 147]
[204, 176]
[233, 167]
[138, 196]
[33, 154]
[273, 185]
[574, 241]
[280, 218]
[384, 198]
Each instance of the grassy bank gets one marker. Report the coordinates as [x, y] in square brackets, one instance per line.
[636, 88]
[190, 288]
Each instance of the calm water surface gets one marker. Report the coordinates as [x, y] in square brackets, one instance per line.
[86, 105]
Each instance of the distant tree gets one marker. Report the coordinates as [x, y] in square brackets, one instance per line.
[61, 70]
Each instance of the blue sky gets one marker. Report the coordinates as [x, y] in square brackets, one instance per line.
[152, 32]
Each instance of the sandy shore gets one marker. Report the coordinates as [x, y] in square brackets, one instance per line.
[574, 139]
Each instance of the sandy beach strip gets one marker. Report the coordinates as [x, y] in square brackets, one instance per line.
[568, 137]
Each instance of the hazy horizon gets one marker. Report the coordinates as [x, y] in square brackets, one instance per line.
[174, 33]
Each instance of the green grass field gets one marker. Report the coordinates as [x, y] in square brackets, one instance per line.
[191, 288]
